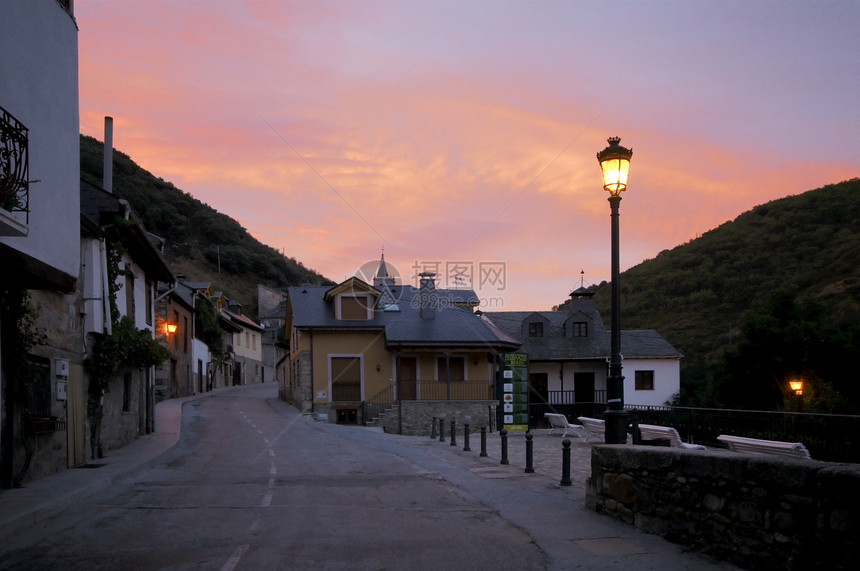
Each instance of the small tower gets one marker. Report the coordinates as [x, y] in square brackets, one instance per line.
[382, 278]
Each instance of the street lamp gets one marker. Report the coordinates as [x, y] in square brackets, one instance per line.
[615, 164]
[796, 385]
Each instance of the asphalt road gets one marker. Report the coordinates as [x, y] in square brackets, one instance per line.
[254, 485]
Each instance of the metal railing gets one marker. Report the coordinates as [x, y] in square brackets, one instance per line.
[14, 164]
[830, 437]
[569, 397]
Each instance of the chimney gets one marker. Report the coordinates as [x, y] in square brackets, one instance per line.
[107, 173]
[427, 295]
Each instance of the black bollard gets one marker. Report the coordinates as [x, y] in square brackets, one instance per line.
[441, 430]
[466, 438]
[530, 456]
[565, 462]
[483, 453]
[453, 433]
[433, 428]
[504, 436]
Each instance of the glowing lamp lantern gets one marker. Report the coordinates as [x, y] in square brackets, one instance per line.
[615, 164]
[797, 386]
[171, 328]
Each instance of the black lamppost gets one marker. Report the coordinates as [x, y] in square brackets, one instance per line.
[614, 164]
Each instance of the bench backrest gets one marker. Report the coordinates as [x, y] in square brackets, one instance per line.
[757, 446]
[652, 431]
[556, 420]
[595, 425]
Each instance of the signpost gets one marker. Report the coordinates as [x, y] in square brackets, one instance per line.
[515, 392]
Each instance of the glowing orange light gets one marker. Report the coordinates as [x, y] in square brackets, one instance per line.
[171, 328]
[797, 386]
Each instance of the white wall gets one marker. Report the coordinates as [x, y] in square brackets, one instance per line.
[667, 380]
[39, 86]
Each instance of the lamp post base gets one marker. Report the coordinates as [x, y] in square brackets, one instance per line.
[615, 426]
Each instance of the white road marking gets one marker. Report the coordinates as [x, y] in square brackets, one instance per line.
[234, 559]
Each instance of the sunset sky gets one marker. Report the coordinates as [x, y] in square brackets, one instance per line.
[464, 134]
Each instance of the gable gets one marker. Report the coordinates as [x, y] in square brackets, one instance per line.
[535, 325]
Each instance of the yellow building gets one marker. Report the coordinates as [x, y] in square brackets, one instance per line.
[357, 350]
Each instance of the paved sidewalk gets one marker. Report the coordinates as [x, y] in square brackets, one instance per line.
[39, 500]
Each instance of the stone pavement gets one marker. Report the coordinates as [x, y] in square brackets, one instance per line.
[39, 500]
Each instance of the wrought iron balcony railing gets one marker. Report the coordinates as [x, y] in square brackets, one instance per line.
[14, 164]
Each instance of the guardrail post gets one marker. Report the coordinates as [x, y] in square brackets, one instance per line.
[441, 430]
[530, 460]
[453, 433]
[504, 436]
[565, 462]
[433, 428]
[483, 442]
[466, 438]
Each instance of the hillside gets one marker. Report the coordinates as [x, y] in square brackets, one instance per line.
[697, 294]
[197, 237]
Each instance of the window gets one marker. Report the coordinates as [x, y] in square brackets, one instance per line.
[247, 339]
[129, 294]
[39, 391]
[238, 340]
[175, 337]
[149, 296]
[579, 329]
[254, 341]
[451, 368]
[345, 378]
[126, 391]
[185, 333]
[644, 380]
[536, 329]
[353, 307]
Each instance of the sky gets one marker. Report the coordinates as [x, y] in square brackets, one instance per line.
[460, 137]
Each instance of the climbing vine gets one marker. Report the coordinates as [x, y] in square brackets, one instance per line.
[20, 335]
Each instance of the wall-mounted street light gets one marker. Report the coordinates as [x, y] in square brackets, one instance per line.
[615, 165]
[170, 328]
[796, 386]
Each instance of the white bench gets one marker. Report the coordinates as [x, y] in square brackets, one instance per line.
[594, 426]
[757, 446]
[559, 422]
[652, 431]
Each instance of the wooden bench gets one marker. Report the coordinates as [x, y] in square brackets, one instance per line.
[594, 426]
[652, 432]
[756, 446]
[559, 422]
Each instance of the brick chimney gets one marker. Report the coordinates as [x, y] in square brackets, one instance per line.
[427, 295]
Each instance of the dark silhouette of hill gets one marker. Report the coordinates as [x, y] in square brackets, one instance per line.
[698, 294]
[199, 242]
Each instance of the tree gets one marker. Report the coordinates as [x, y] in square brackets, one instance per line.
[786, 338]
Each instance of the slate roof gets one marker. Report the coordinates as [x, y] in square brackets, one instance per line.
[555, 346]
[453, 326]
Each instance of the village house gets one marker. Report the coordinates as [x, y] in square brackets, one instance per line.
[39, 241]
[358, 349]
[568, 353]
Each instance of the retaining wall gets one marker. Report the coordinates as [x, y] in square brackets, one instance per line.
[758, 512]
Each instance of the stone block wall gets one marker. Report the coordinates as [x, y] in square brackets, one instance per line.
[417, 416]
[758, 512]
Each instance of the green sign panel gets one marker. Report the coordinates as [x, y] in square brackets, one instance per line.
[515, 392]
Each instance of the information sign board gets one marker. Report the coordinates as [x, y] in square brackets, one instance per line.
[515, 392]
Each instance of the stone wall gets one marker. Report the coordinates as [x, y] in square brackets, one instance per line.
[417, 416]
[758, 512]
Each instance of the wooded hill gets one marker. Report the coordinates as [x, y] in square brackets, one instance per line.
[197, 237]
[698, 295]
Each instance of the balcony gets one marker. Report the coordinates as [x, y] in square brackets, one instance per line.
[14, 176]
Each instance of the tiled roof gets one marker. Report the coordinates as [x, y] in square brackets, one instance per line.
[453, 326]
[555, 346]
